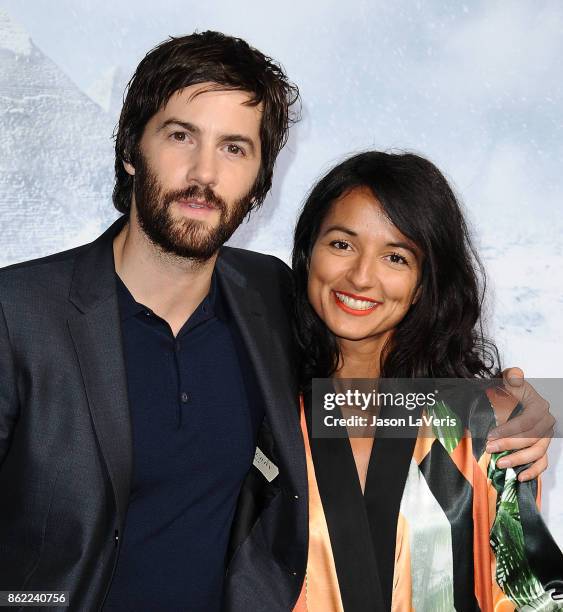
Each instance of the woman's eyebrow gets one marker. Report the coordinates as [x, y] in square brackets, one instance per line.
[339, 228]
[403, 245]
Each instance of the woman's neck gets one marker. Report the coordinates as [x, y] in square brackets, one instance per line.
[361, 358]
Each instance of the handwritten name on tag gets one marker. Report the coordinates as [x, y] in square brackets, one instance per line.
[268, 469]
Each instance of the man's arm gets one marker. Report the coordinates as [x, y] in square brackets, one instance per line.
[9, 405]
[529, 434]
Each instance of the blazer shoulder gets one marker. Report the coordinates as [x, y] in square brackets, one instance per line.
[255, 265]
[45, 275]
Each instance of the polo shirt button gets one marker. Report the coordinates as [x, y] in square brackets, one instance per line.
[184, 397]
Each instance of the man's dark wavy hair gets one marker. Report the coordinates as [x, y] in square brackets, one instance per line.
[441, 336]
[227, 62]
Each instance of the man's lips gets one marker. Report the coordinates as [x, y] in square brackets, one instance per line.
[196, 204]
[357, 305]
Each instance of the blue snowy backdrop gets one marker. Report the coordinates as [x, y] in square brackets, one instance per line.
[475, 86]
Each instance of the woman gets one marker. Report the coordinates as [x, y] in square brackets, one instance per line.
[387, 287]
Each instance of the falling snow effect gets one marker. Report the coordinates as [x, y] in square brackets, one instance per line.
[472, 86]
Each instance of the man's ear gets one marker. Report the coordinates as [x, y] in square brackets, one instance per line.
[129, 168]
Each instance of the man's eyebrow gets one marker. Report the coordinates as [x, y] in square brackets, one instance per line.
[339, 228]
[190, 127]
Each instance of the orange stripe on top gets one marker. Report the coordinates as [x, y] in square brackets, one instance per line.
[424, 441]
[483, 558]
[463, 458]
[321, 592]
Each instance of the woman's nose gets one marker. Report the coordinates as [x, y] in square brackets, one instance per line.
[363, 273]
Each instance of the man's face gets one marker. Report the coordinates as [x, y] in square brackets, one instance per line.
[197, 163]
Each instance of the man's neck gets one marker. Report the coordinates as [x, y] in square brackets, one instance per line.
[172, 287]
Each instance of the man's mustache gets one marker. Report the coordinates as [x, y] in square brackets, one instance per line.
[198, 192]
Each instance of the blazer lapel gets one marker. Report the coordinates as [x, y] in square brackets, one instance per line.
[270, 363]
[96, 333]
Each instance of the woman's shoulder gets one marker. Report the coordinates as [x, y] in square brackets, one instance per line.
[481, 404]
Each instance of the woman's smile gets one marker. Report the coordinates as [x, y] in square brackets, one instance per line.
[356, 305]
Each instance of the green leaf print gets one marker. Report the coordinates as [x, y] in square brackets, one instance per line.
[448, 435]
[513, 572]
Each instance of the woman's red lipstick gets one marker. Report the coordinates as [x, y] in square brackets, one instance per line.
[350, 309]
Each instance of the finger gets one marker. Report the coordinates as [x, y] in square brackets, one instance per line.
[513, 377]
[509, 444]
[524, 393]
[541, 429]
[534, 470]
[528, 438]
[530, 422]
[527, 455]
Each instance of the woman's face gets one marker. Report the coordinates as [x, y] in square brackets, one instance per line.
[364, 273]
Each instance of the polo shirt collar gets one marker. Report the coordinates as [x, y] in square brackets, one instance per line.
[212, 304]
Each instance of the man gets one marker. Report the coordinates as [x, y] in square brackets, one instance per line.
[139, 373]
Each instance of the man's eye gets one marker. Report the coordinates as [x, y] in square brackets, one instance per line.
[179, 136]
[234, 149]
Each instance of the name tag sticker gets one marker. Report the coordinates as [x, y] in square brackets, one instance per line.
[268, 469]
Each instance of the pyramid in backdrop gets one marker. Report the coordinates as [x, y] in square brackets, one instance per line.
[108, 90]
[56, 153]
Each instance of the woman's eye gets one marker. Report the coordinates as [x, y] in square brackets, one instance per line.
[398, 259]
[341, 245]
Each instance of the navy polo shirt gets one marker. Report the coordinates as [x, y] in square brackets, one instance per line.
[195, 416]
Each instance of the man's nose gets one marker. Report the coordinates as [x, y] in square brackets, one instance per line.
[203, 169]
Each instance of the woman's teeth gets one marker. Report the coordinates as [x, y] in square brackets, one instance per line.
[354, 303]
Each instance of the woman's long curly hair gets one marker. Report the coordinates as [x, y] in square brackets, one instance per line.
[441, 336]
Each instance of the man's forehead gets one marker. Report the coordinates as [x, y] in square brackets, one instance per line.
[204, 91]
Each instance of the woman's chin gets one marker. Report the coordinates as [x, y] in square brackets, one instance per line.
[354, 335]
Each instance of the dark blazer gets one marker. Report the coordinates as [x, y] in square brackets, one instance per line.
[65, 430]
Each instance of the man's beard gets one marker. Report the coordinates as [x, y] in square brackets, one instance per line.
[187, 238]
